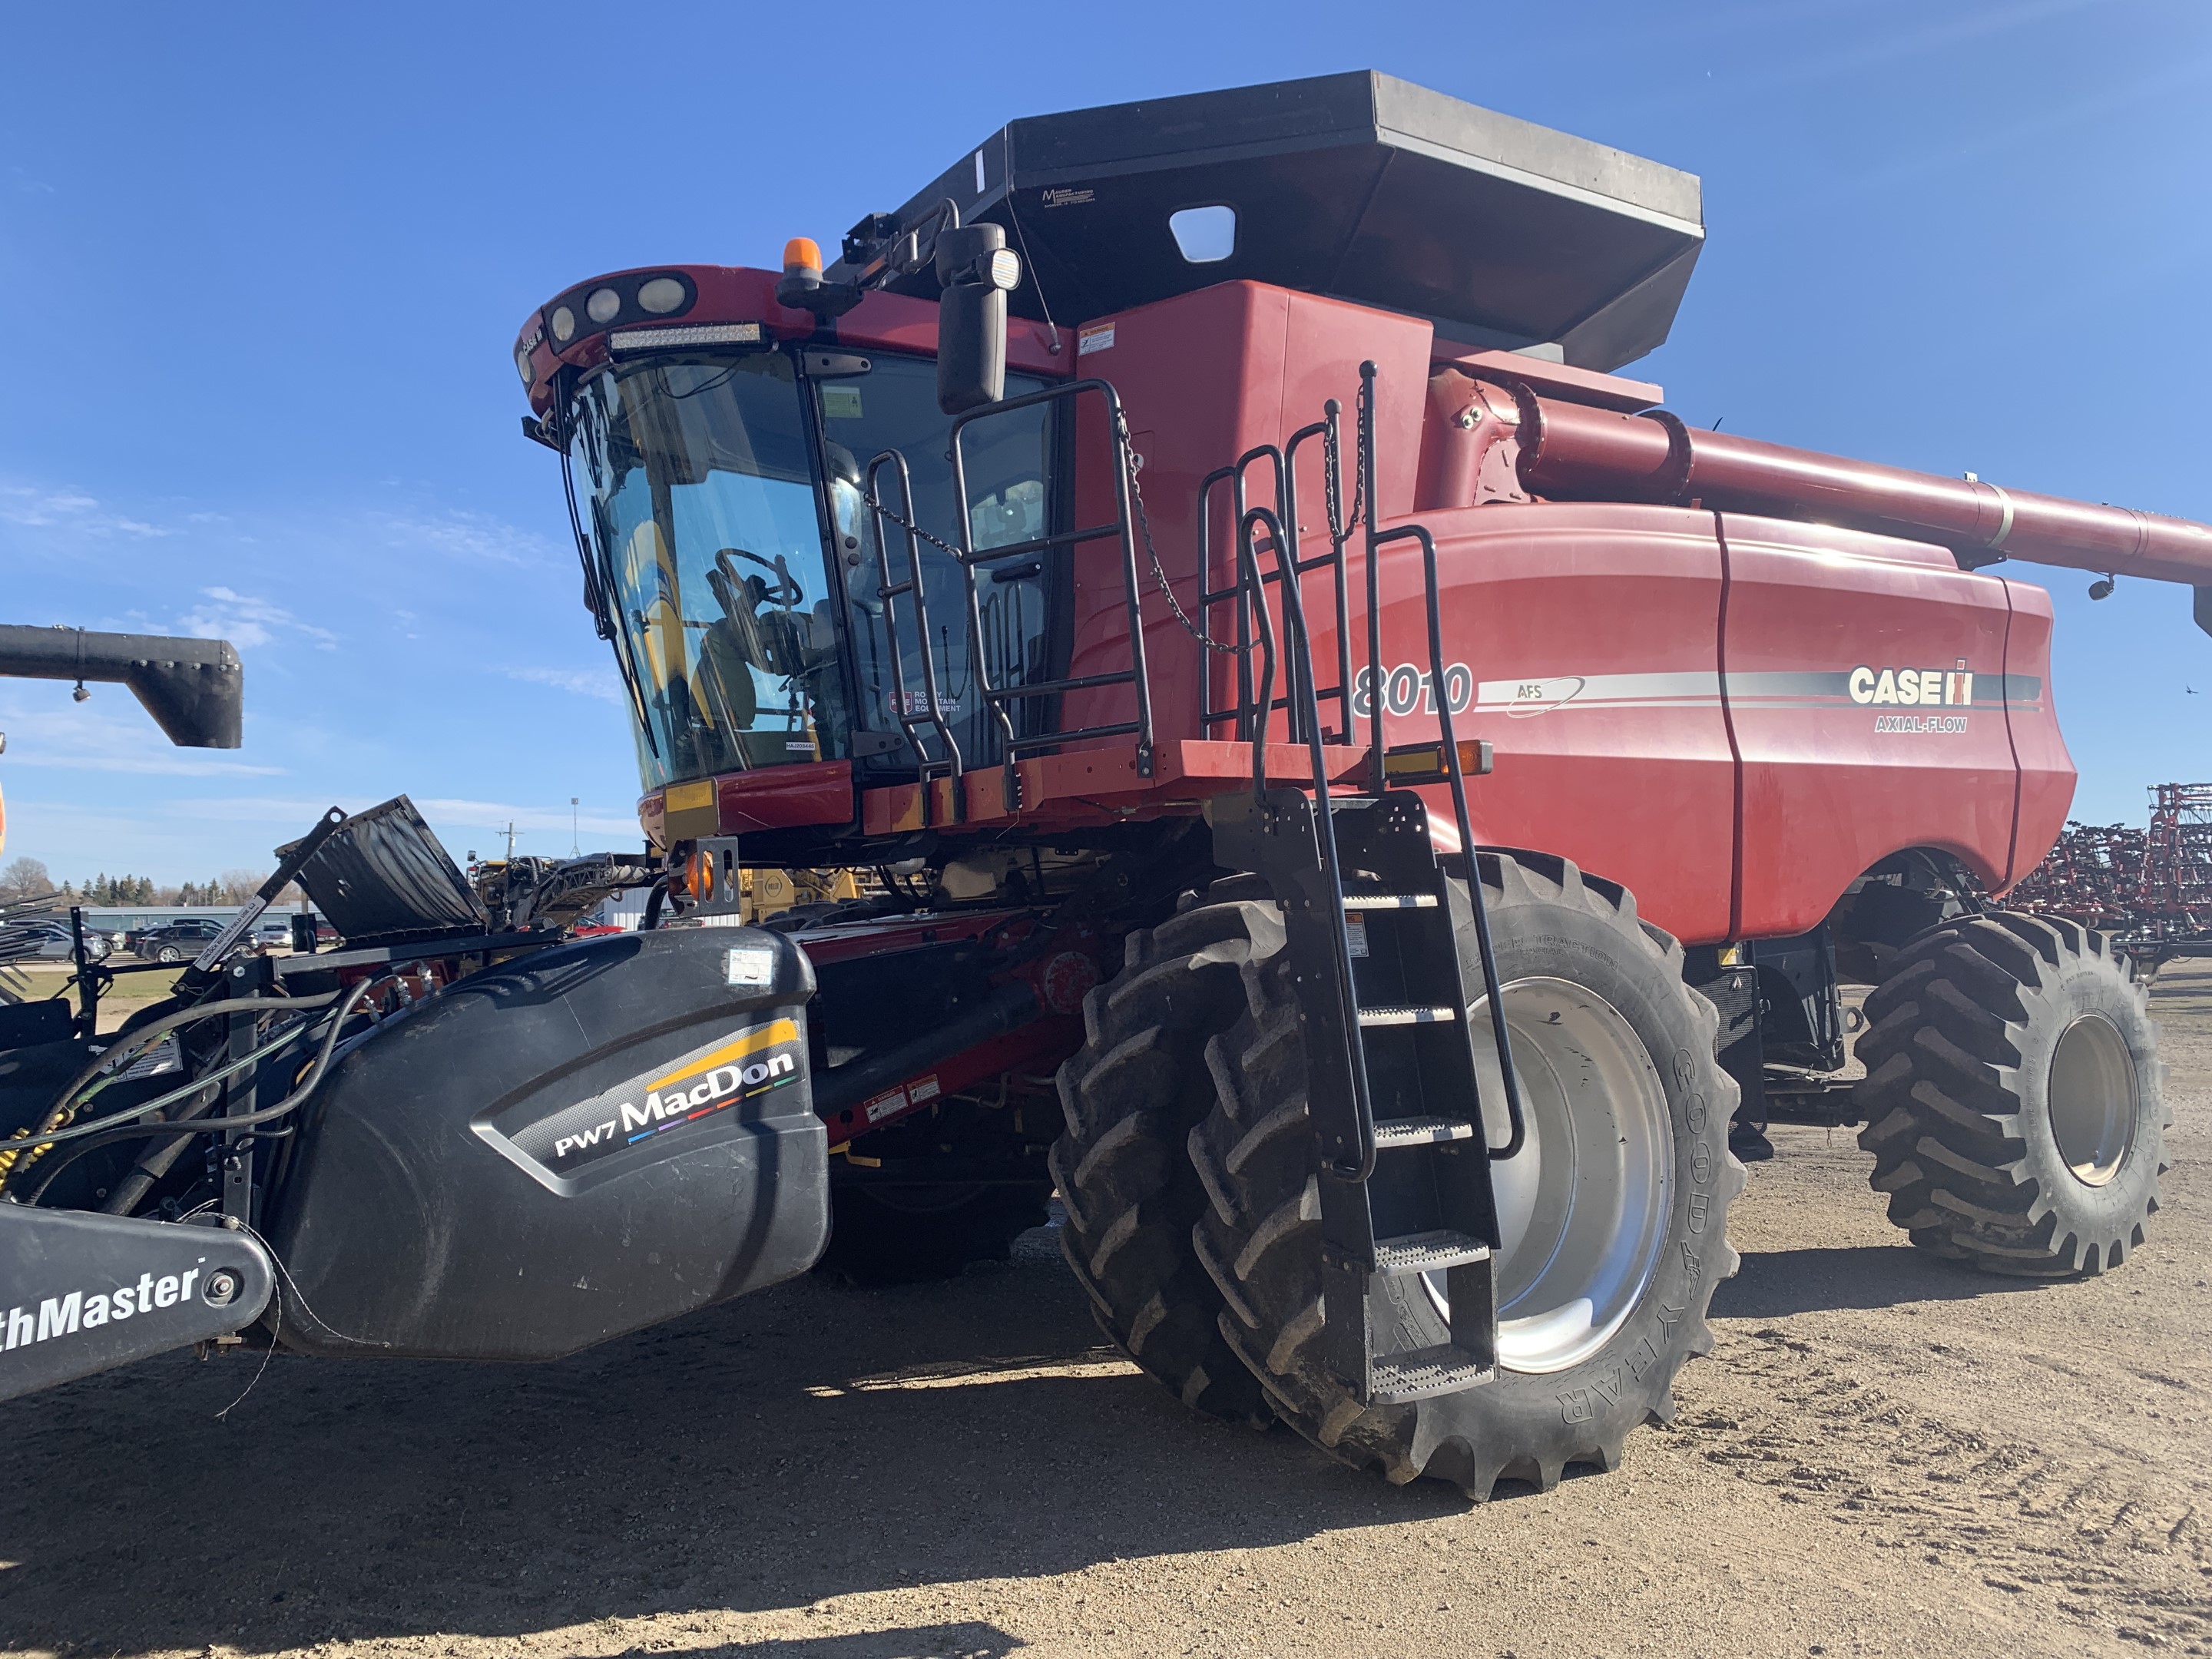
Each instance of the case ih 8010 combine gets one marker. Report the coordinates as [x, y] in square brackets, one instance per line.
[1282, 671]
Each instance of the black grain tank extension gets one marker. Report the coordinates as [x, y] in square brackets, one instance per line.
[1359, 186]
[588, 1140]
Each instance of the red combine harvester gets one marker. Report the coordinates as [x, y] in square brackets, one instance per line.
[1366, 799]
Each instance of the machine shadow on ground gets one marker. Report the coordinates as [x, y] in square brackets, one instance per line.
[1773, 1284]
[810, 1441]
[958, 1641]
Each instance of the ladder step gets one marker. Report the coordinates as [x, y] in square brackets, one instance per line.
[1424, 1252]
[1389, 901]
[1408, 1015]
[1421, 1373]
[1419, 1131]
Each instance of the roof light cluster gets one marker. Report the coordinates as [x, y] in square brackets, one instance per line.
[603, 305]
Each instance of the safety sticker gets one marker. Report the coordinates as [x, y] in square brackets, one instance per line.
[752, 964]
[1094, 339]
[892, 1102]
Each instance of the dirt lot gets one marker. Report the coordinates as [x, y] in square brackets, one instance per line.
[1885, 1456]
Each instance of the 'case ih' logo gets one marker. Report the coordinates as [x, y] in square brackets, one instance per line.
[1925, 688]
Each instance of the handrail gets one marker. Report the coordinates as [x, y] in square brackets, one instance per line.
[1299, 686]
[1245, 711]
[1136, 676]
[889, 592]
[1440, 692]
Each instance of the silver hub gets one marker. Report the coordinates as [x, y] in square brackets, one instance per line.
[1583, 1209]
[2092, 1095]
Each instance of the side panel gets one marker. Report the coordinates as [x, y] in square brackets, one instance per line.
[2047, 770]
[1204, 378]
[555, 1150]
[1200, 379]
[1589, 636]
[1867, 687]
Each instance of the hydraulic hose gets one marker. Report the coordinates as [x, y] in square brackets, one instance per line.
[124, 1196]
[148, 1034]
[50, 1137]
[151, 1169]
[129, 1118]
[107, 1131]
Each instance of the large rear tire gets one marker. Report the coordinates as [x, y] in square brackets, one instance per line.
[1131, 1096]
[2013, 1098]
[1624, 1101]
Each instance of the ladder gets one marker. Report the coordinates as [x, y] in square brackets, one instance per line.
[1372, 924]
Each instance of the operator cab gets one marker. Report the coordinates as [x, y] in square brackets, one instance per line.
[721, 428]
[720, 502]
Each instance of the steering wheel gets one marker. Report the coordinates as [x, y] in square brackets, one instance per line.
[786, 593]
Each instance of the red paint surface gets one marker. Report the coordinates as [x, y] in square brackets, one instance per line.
[2047, 770]
[1825, 793]
[1602, 633]
[785, 797]
[1587, 452]
[738, 294]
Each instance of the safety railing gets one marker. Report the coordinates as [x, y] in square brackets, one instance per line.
[931, 714]
[1000, 698]
[1274, 529]
[1247, 714]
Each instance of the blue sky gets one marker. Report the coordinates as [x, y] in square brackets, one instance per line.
[263, 266]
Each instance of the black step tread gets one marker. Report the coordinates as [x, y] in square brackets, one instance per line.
[1422, 1373]
[1422, 1253]
[1400, 1015]
[1391, 1132]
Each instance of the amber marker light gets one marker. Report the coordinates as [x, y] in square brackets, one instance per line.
[802, 257]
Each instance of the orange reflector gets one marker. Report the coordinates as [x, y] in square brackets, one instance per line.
[802, 253]
[1424, 762]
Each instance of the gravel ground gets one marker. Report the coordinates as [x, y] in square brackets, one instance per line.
[1885, 1456]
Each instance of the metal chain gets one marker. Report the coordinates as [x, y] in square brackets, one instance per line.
[1333, 488]
[907, 524]
[1144, 529]
[1159, 575]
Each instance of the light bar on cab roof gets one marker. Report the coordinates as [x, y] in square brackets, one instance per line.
[655, 339]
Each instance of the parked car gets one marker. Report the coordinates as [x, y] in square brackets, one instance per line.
[52, 940]
[176, 941]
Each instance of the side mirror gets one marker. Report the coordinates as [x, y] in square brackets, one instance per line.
[976, 270]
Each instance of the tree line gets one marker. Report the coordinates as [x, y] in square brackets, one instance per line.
[27, 878]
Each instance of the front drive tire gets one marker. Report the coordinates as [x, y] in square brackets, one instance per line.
[1131, 1095]
[2015, 1100]
[1568, 944]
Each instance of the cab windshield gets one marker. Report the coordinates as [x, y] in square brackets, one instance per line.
[698, 488]
[699, 480]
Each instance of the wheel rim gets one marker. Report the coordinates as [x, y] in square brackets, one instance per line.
[2091, 1095]
[1583, 1209]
